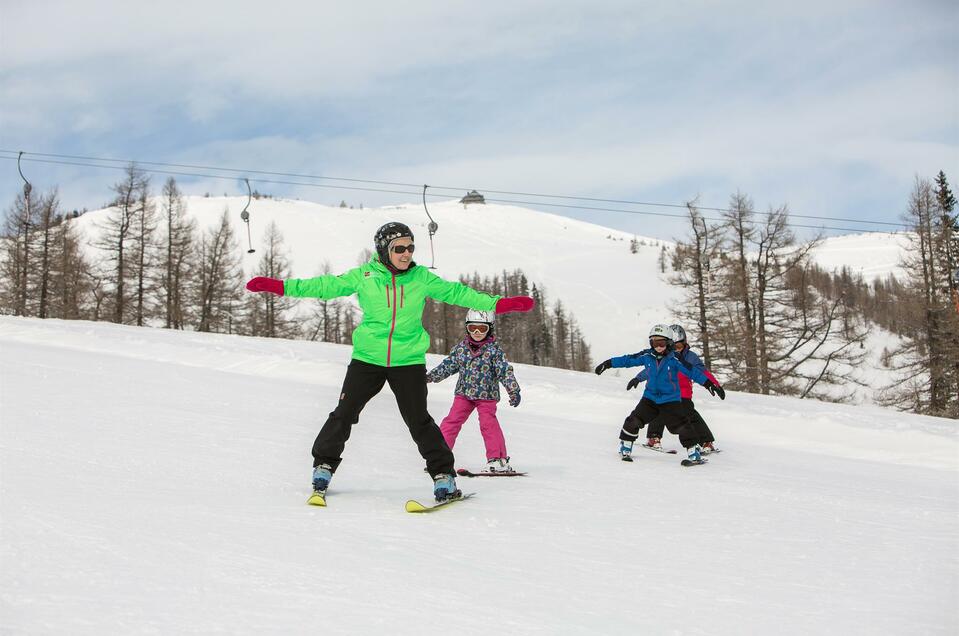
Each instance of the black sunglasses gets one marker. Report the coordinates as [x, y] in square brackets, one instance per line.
[402, 249]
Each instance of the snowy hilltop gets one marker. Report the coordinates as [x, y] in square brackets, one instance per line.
[613, 283]
[615, 294]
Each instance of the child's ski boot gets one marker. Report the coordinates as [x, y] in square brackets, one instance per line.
[709, 447]
[694, 456]
[654, 443]
[499, 465]
[626, 450]
[444, 487]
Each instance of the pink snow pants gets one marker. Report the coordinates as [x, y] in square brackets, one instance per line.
[489, 425]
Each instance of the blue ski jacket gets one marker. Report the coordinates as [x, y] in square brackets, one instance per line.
[661, 376]
[688, 359]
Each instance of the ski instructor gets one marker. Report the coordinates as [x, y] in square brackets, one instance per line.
[389, 346]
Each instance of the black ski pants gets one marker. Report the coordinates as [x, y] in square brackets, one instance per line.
[700, 429]
[363, 381]
[672, 415]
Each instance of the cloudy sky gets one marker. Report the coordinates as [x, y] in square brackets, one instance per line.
[831, 108]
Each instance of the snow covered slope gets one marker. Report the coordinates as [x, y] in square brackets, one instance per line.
[873, 255]
[615, 295]
[154, 482]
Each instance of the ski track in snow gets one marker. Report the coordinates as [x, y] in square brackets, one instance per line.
[155, 482]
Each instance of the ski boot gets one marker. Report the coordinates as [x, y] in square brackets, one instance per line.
[708, 448]
[499, 465]
[626, 450]
[444, 487]
[654, 443]
[322, 475]
[694, 456]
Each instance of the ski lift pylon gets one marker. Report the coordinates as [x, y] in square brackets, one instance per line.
[432, 227]
[245, 215]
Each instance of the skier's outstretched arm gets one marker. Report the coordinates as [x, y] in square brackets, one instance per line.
[326, 287]
[621, 362]
[699, 377]
[455, 293]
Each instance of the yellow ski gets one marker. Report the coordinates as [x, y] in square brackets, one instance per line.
[317, 499]
[415, 506]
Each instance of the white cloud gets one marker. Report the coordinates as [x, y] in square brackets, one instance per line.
[616, 99]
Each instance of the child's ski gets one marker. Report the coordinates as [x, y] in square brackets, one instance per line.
[317, 499]
[500, 473]
[415, 506]
[671, 451]
[692, 462]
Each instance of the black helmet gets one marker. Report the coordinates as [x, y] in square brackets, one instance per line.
[386, 235]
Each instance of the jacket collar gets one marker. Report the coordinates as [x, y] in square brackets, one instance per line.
[378, 265]
[476, 348]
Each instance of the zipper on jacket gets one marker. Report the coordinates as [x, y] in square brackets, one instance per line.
[389, 342]
[402, 295]
[388, 297]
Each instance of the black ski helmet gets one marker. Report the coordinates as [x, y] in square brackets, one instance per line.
[386, 235]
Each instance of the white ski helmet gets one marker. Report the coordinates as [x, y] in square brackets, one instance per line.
[481, 317]
[662, 331]
[679, 334]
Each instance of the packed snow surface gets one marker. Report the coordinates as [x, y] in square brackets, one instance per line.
[155, 482]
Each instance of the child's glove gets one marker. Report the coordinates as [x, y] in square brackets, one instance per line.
[715, 389]
[264, 284]
[632, 384]
[514, 399]
[602, 366]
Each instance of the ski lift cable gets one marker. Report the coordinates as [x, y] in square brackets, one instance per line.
[405, 192]
[450, 188]
[383, 190]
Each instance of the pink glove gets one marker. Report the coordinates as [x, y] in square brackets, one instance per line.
[514, 303]
[264, 284]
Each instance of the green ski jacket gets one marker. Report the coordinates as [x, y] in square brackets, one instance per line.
[391, 333]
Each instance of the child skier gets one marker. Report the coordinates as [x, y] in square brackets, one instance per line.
[482, 366]
[389, 346]
[689, 359]
[661, 399]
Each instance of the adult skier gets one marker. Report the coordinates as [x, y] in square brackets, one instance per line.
[688, 359]
[661, 399]
[389, 346]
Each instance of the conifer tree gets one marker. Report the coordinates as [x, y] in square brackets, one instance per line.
[220, 279]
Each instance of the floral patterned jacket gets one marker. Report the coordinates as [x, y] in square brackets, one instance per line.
[481, 370]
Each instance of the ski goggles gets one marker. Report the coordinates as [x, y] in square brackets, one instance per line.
[402, 249]
[477, 327]
[657, 342]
